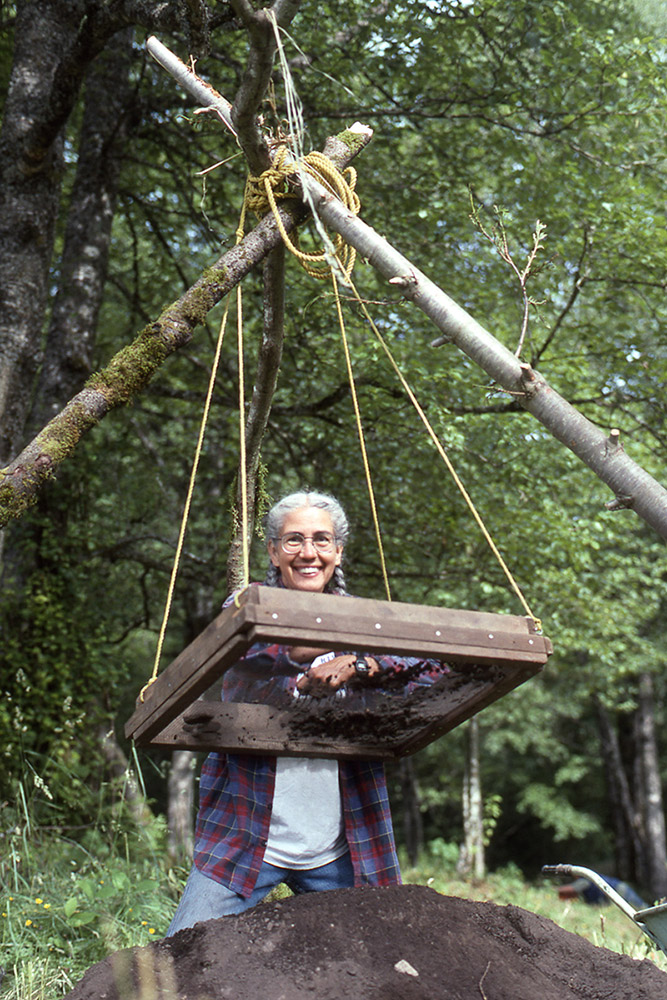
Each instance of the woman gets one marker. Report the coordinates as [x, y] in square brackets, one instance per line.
[314, 824]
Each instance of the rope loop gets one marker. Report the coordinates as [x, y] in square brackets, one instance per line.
[263, 193]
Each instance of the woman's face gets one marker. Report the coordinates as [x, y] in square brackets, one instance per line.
[306, 569]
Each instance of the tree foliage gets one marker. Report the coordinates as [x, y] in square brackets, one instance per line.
[544, 112]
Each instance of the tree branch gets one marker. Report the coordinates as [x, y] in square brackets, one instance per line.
[130, 371]
[257, 76]
[203, 92]
[633, 486]
[268, 364]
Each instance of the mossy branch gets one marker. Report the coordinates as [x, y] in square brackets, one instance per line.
[131, 370]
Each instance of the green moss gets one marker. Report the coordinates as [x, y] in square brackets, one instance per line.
[13, 503]
[353, 140]
[202, 297]
[131, 369]
[62, 436]
[6, 496]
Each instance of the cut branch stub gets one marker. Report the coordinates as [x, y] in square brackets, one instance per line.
[202, 92]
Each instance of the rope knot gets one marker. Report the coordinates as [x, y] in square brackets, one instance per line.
[262, 194]
[275, 179]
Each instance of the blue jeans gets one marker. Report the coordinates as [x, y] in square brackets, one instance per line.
[204, 899]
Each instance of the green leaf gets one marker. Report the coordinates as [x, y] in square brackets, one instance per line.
[120, 880]
[145, 885]
[83, 918]
[88, 888]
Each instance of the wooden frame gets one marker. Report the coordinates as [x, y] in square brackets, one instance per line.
[488, 655]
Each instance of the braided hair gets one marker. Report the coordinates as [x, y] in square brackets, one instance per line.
[275, 519]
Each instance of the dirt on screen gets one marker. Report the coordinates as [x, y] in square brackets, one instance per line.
[399, 943]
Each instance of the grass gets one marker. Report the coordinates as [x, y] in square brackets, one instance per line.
[604, 926]
[66, 904]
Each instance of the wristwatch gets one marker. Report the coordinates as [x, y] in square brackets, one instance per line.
[362, 667]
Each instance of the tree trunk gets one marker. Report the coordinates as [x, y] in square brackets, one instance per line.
[180, 808]
[268, 366]
[119, 768]
[471, 857]
[413, 826]
[70, 340]
[653, 815]
[68, 349]
[626, 838]
[634, 787]
[30, 176]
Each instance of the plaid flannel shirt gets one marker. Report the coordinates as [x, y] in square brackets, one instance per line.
[236, 790]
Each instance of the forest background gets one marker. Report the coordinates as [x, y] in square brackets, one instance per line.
[536, 112]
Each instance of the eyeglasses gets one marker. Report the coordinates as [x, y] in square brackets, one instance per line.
[294, 541]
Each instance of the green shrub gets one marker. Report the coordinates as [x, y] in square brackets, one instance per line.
[70, 903]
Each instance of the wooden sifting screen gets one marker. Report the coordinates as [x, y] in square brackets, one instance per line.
[488, 655]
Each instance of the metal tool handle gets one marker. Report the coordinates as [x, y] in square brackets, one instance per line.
[597, 880]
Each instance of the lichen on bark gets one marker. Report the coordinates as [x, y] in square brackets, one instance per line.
[132, 368]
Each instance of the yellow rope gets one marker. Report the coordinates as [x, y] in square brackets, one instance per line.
[262, 194]
[188, 502]
[243, 471]
[446, 460]
[362, 443]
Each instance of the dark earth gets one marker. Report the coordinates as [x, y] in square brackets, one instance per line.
[399, 943]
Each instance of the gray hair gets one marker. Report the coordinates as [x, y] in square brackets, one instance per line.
[275, 519]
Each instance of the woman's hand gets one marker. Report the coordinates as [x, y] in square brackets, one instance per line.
[328, 677]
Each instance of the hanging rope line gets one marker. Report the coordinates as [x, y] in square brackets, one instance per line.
[336, 259]
[443, 454]
[188, 500]
[262, 194]
[362, 442]
[243, 465]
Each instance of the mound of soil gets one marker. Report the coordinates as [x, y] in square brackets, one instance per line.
[399, 943]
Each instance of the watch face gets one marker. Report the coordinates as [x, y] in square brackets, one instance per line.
[361, 665]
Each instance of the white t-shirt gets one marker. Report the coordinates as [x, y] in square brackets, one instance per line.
[307, 816]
